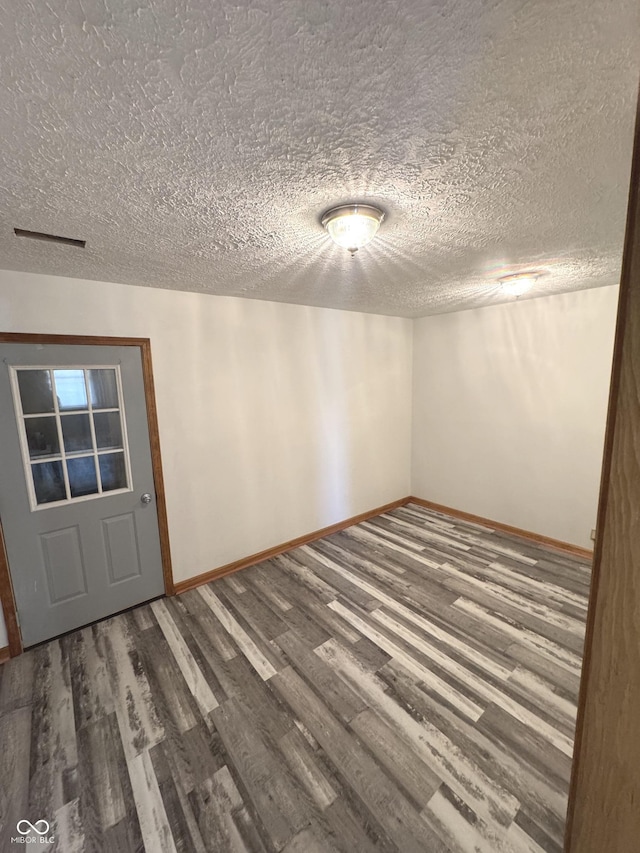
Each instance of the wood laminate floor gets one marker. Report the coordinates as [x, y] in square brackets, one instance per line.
[408, 684]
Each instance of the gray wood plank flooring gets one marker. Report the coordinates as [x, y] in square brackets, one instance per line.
[407, 684]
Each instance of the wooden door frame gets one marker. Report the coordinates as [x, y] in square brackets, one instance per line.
[610, 683]
[144, 345]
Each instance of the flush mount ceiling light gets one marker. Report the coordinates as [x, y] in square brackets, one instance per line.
[519, 282]
[352, 226]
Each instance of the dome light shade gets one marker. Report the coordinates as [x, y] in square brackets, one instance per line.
[352, 226]
[518, 283]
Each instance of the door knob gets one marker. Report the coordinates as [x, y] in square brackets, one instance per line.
[146, 498]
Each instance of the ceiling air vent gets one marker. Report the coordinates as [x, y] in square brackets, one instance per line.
[50, 238]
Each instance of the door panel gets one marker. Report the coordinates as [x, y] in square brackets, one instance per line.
[64, 565]
[121, 541]
[74, 461]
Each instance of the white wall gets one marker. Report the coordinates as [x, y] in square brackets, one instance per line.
[275, 420]
[509, 410]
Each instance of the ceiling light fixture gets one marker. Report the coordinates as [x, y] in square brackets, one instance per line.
[352, 226]
[519, 282]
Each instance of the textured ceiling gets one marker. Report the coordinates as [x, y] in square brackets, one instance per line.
[195, 144]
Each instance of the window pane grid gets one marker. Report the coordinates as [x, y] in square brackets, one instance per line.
[32, 415]
[67, 412]
[64, 473]
[93, 431]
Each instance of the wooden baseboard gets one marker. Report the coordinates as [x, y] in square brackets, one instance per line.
[575, 550]
[198, 580]
[230, 568]
[5, 654]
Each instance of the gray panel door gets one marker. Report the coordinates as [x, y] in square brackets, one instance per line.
[75, 461]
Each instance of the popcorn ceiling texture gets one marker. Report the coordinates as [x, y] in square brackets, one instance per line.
[195, 144]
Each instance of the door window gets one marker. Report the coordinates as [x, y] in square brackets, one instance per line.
[72, 431]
